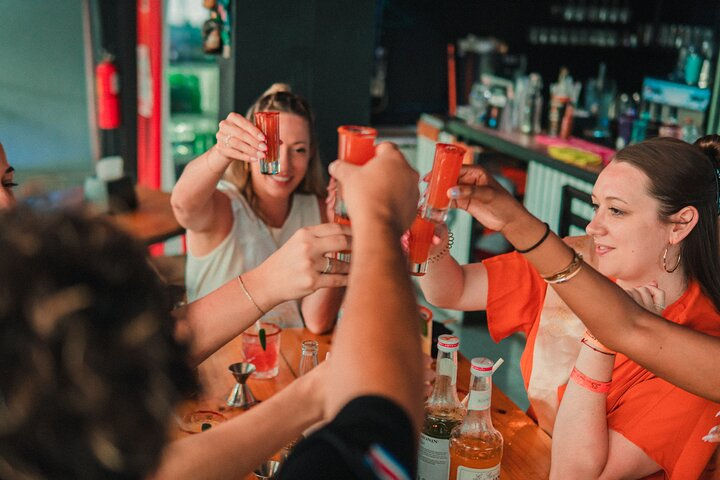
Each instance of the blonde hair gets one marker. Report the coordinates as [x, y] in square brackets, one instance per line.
[279, 97]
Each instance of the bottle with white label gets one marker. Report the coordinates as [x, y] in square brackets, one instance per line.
[475, 446]
[443, 412]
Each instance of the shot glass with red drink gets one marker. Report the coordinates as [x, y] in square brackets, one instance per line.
[269, 124]
[356, 145]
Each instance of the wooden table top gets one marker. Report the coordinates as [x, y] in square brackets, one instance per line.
[526, 452]
[153, 221]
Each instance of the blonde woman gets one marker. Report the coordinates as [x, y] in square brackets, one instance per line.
[237, 217]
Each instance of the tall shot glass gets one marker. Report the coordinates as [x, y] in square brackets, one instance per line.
[356, 145]
[269, 124]
[419, 243]
[445, 172]
[434, 205]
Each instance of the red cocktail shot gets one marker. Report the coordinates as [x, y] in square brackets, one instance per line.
[419, 243]
[265, 361]
[445, 172]
[269, 124]
[356, 145]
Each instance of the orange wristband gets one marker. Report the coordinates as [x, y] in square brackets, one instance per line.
[588, 383]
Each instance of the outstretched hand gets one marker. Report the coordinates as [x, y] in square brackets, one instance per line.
[239, 139]
[303, 264]
[478, 193]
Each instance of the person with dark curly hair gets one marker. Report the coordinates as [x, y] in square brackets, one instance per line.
[91, 371]
[90, 368]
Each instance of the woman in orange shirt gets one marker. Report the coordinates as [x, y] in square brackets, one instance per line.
[657, 200]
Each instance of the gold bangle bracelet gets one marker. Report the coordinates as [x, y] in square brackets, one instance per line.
[566, 273]
[249, 297]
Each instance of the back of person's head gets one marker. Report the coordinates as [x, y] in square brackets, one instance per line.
[683, 175]
[90, 371]
[280, 97]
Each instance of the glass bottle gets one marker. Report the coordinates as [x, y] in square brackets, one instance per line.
[443, 412]
[309, 358]
[475, 446]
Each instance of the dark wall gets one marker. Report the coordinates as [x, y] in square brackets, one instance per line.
[322, 48]
[415, 34]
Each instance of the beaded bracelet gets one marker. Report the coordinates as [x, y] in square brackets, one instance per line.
[445, 250]
[566, 273]
[589, 383]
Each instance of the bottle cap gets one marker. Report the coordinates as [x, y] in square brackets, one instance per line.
[448, 343]
[481, 367]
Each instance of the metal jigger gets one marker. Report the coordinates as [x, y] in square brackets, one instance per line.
[241, 396]
[268, 470]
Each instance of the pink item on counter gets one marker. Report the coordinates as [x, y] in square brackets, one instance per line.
[606, 154]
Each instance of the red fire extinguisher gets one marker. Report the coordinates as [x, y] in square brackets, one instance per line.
[108, 94]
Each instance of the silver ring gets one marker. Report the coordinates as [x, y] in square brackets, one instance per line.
[328, 266]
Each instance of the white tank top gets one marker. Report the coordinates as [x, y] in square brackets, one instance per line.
[249, 243]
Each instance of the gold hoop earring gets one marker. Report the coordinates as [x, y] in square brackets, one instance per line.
[677, 264]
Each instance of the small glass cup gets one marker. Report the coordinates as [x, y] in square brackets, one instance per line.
[445, 172]
[356, 145]
[266, 361]
[269, 124]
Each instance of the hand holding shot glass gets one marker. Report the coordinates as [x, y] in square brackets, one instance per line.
[434, 205]
[356, 145]
[269, 124]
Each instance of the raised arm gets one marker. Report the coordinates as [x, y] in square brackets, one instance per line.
[448, 284]
[681, 356]
[293, 271]
[197, 204]
[380, 314]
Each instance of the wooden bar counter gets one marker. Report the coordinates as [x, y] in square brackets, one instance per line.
[526, 452]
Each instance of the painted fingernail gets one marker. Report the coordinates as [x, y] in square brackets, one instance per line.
[454, 192]
[261, 137]
[262, 147]
[260, 155]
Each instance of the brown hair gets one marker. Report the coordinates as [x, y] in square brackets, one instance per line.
[279, 97]
[683, 175]
[90, 369]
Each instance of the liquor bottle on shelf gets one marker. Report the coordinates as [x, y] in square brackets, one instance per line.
[476, 447]
[443, 412]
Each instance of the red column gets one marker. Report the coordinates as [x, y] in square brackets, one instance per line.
[150, 81]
